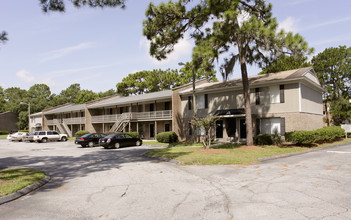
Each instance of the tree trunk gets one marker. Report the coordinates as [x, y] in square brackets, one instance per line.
[246, 91]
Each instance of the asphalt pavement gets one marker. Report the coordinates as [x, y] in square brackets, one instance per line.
[95, 183]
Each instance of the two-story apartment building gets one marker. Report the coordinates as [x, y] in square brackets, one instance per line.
[285, 101]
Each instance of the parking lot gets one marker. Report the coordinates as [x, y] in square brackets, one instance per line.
[97, 183]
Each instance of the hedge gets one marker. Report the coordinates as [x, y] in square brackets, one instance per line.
[134, 134]
[263, 139]
[317, 136]
[81, 133]
[4, 132]
[25, 131]
[167, 137]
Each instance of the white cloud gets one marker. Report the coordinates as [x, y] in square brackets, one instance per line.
[182, 49]
[25, 76]
[55, 54]
[335, 21]
[289, 25]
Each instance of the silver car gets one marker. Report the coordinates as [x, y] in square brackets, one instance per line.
[28, 137]
[16, 136]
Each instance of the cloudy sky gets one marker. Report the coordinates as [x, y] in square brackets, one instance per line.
[97, 48]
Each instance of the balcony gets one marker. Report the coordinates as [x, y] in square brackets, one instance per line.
[133, 116]
[78, 120]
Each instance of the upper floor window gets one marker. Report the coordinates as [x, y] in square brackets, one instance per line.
[190, 102]
[151, 107]
[202, 101]
[270, 95]
[167, 105]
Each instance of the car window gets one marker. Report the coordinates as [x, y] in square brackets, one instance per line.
[42, 133]
[86, 135]
[111, 136]
[102, 135]
[49, 132]
[94, 136]
[36, 133]
[120, 136]
[54, 132]
[128, 136]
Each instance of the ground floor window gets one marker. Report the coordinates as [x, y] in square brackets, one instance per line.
[270, 125]
[167, 127]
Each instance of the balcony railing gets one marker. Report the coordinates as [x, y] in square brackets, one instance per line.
[143, 116]
[78, 120]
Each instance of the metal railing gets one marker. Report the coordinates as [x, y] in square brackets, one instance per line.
[79, 120]
[165, 114]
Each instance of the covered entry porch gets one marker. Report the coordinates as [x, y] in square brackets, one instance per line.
[231, 125]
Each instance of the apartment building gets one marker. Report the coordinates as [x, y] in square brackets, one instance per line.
[285, 101]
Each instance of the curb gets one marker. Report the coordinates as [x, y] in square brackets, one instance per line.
[301, 152]
[24, 191]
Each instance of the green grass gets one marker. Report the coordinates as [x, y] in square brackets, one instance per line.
[3, 136]
[71, 138]
[232, 154]
[12, 180]
[146, 142]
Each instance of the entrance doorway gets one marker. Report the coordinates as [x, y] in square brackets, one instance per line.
[219, 129]
[242, 128]
[152, 130]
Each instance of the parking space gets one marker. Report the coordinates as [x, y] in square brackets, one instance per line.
[93, 183]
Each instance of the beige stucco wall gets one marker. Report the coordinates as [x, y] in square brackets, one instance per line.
[311, 100]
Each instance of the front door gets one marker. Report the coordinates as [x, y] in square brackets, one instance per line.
[242, 128]
[152, 130]
[219, 129]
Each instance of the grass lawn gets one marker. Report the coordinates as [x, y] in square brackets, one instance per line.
[3, 136]
[226, 153]
[146, 142]
[12, 180]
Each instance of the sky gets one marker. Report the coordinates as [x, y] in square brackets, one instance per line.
[97, 48]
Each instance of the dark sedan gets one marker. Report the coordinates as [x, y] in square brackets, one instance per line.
[89, 140]
[119, 140]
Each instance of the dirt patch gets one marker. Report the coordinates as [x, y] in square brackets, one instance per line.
[5, 182]
[211, 151]
[250, 148]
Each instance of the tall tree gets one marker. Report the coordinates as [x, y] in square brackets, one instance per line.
[39, 96]
[2, 100]
[85, 96]
[333, 68]
[285, 63]
[59, 5]
[201, 72]
[68, 95]
[243, 31]
[13, 97]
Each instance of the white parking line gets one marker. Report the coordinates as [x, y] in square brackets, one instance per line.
[339, 152]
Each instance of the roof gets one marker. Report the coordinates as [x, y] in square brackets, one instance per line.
[306, 73]
[69, 108]
[166, 94]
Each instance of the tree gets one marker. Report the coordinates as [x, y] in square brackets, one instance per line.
[39, 96]
[13, 97]
[105, 94]
[85, 96]
[69, 94]
[59, 5]
[206, 124]
[244, 29]
[333, 68]
[3, 37]
[2, 100]
[285, 63]
[202, 72]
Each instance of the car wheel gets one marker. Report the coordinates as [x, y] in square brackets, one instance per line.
[138, 143]
[63, 139]
[44, 140]
[116, 145]
[91, 144]
[83, 145]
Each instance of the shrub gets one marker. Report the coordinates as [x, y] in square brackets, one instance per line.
[25, 131]
[316, 136]
[167, 137]
[4, 132]
[134, 134]
[81, 133]
[263, 139]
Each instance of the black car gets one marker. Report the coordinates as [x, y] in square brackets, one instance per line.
[119, 140]
[89, 140]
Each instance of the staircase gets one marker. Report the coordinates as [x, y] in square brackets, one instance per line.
[121, 123]
[63, 128]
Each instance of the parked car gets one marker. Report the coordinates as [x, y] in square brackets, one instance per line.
[29, 137]
[45, 136]
[16, 136]
[9, 135]
[119, 140]
[89, 140]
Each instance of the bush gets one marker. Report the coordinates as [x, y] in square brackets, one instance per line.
[25, 131]
[167, 137]
[134, 134]
[263, 139]
[317, 136]
[4, 132]
[81, 133]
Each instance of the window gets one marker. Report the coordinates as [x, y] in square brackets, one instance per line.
[151, 107]
[282, 98]
[190, 102]
[200, 101]
[206, 101]
[257, 94]
[111, 111]
[120, 110]
[54, 132]
[49, 133]
[269, 125]
[128, 136]
[274, 94]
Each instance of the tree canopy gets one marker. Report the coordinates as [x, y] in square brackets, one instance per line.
[237, 32]
[333, 68]
[285, 63]
[158, 80]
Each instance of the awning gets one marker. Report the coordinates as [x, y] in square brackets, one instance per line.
[230, 112]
